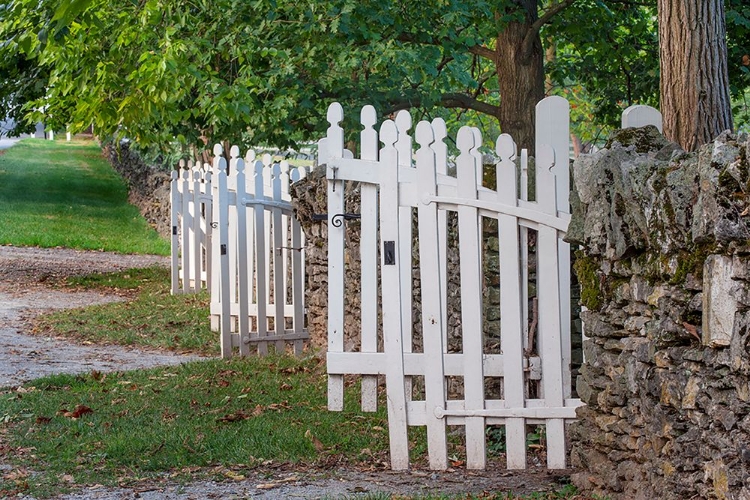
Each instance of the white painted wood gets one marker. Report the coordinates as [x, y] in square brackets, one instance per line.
[174, 197]
[640, 115]
[186, 225]
[221, 209]
[279, 276]
[261, 262]
[243, 292]
[440, 132]
[549, 310]
[334, 148]
[196, 240]
[433, 192]
[511, 298]
[392, 297]
[368, 248]
[469, 236]
[404, 145]
[432, 315]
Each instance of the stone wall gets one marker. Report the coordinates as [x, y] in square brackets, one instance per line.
[148, 186]
[664, 263]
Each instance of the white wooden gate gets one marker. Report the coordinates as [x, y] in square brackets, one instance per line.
[394, 181]
[234, 232]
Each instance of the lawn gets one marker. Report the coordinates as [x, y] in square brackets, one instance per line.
[57, 193]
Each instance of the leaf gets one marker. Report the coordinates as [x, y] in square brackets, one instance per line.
[77, 412]
[319, 447]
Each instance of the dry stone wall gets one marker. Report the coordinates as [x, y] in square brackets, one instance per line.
[148, 186]
[664, 263]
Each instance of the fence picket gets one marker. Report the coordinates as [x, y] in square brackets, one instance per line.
[333, 148]
[243, 328]
[469, 236]
[392, 297]
[511, 298]
[221, 208]
[441, 167]
[186, 213]
[175, 195]
[432, 315]
[368, 245]
[277, 254]
[261, 263]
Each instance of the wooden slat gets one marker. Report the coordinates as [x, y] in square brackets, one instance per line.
[243, 290]
[279, 281]
[368, 249]
[441, 167]
[432, 314]
[261, 262]
[404, 146]
[391, 299]
[511, 297]
[549, 310]
[175, 205]
[186, 225]
[222, 211]
[334, 148]
[469, 236]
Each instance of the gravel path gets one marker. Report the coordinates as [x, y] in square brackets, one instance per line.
[27, 287]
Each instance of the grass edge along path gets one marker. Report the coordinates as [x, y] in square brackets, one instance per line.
[151, 317]
[65, 194]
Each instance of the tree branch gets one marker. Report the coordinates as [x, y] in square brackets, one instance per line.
[482, 51]
[454, 100]
[533, 32]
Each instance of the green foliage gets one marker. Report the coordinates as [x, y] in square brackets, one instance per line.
[65, 194]
[613, 55]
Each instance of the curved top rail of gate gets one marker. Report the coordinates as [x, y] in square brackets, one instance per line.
[547, 210]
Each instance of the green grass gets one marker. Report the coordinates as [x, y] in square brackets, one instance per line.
[151, 318]
[66, 194]
[236, 414]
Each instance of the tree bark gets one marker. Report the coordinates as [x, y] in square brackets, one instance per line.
[519, 59]
[695, 102]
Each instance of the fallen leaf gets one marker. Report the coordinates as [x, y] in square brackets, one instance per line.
[234, 475]
[77, 412]
[319, 447]
[43, 420]
[285, 387]
[267, 486]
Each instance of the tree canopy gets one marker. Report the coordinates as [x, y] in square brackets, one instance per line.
[264, 71]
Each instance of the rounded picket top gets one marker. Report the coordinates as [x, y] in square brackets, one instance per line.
[439, 128]
[182, 163]
[284, 166]
[368, 116]
[234, 152]
[425, 134]
[218, 150]
[465, 139]
[505, 147]
[174, 175]
[403, 121]
[477, 137]
[250, 156]
[388, 133]
[335, 113]
[267, 160]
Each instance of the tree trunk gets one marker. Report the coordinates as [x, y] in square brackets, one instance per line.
[695, 101]
[520, 71]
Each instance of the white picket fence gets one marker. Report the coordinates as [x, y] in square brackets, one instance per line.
[640, 115]
[234, 233]
[394, 181]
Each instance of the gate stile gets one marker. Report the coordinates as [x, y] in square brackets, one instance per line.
[428, 188]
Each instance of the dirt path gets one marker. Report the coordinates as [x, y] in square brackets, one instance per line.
[27, 287]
